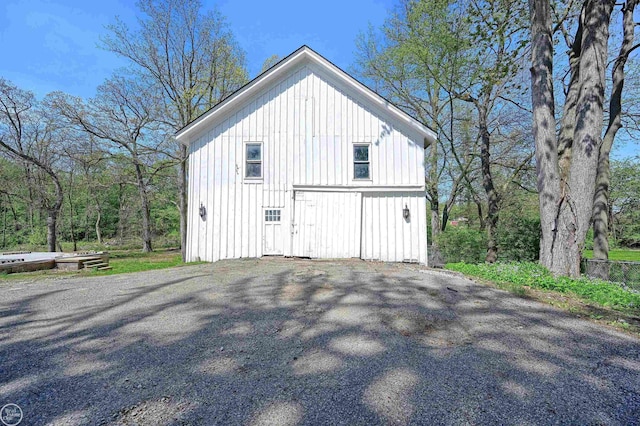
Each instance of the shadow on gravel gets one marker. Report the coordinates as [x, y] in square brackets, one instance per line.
[291, 342]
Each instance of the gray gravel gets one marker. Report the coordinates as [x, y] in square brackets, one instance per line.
[285, 342]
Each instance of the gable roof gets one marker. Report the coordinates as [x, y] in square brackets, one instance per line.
[304, 53]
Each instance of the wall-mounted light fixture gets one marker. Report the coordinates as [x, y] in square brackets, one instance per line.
[203, 211]
[406, 213]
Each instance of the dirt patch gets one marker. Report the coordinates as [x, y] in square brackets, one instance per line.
[160, 411]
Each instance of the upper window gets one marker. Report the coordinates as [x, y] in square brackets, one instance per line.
[361, 163]
[253, 160]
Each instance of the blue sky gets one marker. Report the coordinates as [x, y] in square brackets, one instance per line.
[48, 45]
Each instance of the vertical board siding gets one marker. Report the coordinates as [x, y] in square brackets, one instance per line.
[327, 224]
[388, 236]
[307, 124]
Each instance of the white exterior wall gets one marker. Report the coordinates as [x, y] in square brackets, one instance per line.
[307, 123]
[387, 235]
[327, 224]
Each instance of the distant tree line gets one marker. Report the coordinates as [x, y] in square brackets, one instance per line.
[108, 167]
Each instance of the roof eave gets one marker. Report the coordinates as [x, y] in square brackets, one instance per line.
[283, 66]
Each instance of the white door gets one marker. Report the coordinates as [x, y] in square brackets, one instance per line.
[304, 225]
[273, 242]
[327, 224]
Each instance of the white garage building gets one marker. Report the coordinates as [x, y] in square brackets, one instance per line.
[306, 161]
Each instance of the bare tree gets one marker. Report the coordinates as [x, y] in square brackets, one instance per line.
[124, 114]
[192, 59]
[497, 29]
[29, 133]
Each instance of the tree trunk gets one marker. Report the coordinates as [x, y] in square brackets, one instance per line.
[52, 219]
[71, 227]
[544, 125]
[587, 139]
[52, 213]
[601, 204]
[493, 198]
[565, 212]
[86, 213]
[146, 215]
[480, 214]
[432, 188]
[121, 201]
[99, 216]
[4, 226]
[565, 140]
[182, 199]
[445, 219]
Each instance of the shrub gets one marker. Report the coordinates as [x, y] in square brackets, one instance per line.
[462, 244]
[519, 238]
[536, 276]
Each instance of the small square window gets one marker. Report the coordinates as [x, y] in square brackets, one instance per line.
[361, 170]
[361, 163]
[272, 215]
[254, 152]
[361, 153]
[254, 170]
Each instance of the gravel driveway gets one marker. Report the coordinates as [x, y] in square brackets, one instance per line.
[286, 342]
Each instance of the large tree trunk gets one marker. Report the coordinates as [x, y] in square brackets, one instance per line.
[146, 214]
[182, 199]
[601, 207]
[544, 125]
[587, 139]
[565, 211]
[493, 198]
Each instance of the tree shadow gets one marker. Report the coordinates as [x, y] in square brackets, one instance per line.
[289, 341]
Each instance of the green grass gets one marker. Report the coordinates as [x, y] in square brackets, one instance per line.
[125, 262]
[121, 261]
[621, 254]
[517, 276]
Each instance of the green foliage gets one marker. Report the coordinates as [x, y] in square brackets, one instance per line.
[625, 200]
[38, 237]
[462, 244]
[518, 232]
[535, 276]
[624, 255]
[518, 237]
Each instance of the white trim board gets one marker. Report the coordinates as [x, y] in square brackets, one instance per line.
[360, 188]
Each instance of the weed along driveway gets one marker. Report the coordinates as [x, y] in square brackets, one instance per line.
[287, 342]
